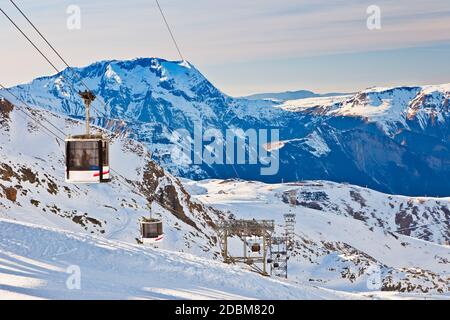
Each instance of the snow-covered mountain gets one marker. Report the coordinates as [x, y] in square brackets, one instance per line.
[394, 140]
[342, 230]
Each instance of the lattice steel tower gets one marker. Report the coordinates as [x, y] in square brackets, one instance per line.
[289, 230]
[280, 247]
[289, 221]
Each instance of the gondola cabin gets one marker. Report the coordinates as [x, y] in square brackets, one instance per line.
[151, 231]
[253, 244]
[87, 159]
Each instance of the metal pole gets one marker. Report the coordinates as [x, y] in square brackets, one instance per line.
[88, 97]
[287, 254]
[264, 254]
[245, 248]
[286, 267]
[88, 105]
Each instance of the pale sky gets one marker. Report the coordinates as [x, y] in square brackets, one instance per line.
[246, 46]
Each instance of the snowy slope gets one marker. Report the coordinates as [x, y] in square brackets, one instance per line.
[34, 262]
[32, 187]
[336, 247]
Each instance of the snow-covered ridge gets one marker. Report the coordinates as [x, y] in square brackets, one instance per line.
[307, 103]
[124, 85]
[387, 106]
[291, 95]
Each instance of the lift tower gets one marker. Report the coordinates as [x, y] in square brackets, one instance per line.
[281, 246]
[251, 232]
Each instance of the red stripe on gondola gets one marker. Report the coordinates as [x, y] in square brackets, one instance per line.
[159, 238]
[98, 174]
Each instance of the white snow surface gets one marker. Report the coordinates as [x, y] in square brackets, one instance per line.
[304, 104]
[35, 263]
[318, 146]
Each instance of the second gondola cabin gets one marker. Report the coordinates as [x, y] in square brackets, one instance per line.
[151, 231]
[87, 159]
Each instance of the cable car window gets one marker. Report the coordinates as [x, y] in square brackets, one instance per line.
[152, 230]
[160, 228]
[105, 155]
[83, 155]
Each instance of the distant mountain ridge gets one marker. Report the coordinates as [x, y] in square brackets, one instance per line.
[394, 140]
[291, 95]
